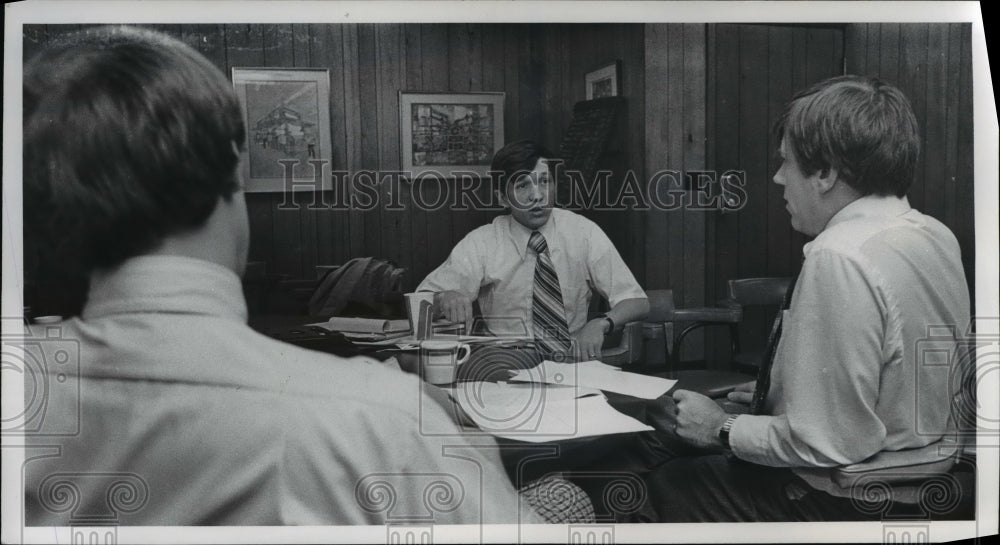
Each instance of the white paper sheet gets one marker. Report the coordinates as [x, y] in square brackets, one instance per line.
[363, 325]
[407, 342]
[594, 374]
[536, 413]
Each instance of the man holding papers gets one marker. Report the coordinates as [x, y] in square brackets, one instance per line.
[851, 399]
[532, 270]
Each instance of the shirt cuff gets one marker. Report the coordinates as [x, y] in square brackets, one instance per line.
[748, 438]
[634, 292]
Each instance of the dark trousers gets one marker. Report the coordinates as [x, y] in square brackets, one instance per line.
[671, 481]
[722, 488]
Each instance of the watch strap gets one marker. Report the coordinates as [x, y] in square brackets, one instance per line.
[610, 321]
[727, 426]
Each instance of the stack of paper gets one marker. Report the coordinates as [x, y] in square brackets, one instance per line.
[364, 325]
[407, 342]
[541, 412]
[376, 329]
[594, 374]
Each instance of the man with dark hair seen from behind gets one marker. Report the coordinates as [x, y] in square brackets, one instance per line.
[131, 146]
[851, 401]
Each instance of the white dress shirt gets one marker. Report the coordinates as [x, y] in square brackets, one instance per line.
[171, 391]
[850, 376]
[494, 265]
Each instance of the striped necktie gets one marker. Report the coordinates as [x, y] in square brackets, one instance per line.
[763, 385]
[548, 315]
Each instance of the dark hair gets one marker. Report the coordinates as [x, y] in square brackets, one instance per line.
[128, 138]
[516, 158]
[861, 126]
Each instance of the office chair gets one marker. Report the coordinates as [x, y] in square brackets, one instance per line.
[621, 348]
[664, 318]
[628, 350]
[758, 298]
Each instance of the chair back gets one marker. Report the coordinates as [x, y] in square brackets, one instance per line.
[759, 300]
[750, 292]
[620, 348]
[661, 305]
[658, 327]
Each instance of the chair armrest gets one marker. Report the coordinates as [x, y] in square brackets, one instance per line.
[657, 330]
[902, 466]
[715, 315]
[629, 350]
[729, 315]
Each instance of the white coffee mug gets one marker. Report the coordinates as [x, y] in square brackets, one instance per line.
[439, 360]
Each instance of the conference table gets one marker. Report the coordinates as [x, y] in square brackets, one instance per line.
[606, 466]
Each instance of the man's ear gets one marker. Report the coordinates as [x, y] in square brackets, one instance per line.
[502, 199]
[826, 179]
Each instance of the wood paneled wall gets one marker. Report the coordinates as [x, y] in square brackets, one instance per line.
[753, 70]
[676, 140]
[675, 245]
[932, 65]
[700, 97]
[569, 53]
[369, 65]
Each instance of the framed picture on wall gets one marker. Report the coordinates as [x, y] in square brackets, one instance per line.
[447, 133]
[605, 81]
[287, 117]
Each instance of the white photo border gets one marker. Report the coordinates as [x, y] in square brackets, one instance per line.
[147, 12]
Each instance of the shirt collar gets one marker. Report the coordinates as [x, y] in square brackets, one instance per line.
[520, 234]
[167, 284]
[887, 206]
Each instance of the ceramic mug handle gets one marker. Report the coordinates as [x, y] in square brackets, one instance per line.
[459, 358]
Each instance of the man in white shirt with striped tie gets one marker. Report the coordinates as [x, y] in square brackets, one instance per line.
[535, 269]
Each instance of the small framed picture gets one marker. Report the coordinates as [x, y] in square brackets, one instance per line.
[605, 81]
[447, 133]
[287, 116]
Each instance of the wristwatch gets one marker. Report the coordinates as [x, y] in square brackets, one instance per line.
[611, 322]
[724, 431]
